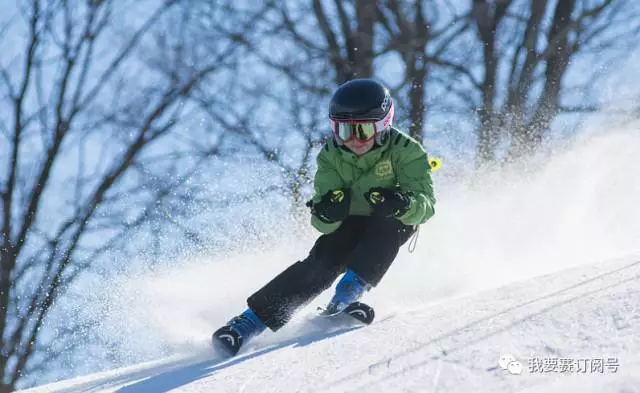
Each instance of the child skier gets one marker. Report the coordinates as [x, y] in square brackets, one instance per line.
[372, 189]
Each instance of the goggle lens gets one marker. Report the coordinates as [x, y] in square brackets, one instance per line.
[360, 131]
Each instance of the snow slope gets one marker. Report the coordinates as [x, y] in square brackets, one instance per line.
[544, 267]
[450, 346]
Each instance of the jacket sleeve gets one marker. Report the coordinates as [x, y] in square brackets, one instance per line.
[327, 178]
[414, 176]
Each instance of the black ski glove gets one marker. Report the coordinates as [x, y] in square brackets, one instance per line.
[333, 207]
[386, 202]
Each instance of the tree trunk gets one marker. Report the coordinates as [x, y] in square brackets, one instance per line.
[489, 134]
[363, 50]
[528, 138]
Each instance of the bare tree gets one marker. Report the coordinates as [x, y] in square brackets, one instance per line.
[349, 33]
[503, 62]
[356, 33]
[409, 38]
[350, 46]
[531, 45]
[274, 112]
[92, 105]
[311, 69]
[420, 31]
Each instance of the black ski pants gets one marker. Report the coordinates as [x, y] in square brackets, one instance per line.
[366, 245]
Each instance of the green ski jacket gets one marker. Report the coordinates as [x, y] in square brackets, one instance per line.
[400, 162]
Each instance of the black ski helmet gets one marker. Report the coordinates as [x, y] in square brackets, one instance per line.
[362, 100]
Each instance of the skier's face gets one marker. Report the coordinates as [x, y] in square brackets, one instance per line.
[359, 147]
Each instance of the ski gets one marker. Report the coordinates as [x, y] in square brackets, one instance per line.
[359, 311]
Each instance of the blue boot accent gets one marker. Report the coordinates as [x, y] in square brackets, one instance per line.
[349, 289]
[237, 332]
[247, 324]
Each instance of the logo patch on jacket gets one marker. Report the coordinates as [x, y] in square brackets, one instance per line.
[384, 169]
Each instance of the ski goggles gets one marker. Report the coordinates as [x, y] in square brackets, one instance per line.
[362, 130]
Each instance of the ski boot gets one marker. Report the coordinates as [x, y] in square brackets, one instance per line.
[350, 288]
[237, 332]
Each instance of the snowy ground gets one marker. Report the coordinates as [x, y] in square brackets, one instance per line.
[545, 268]
[586, 316]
